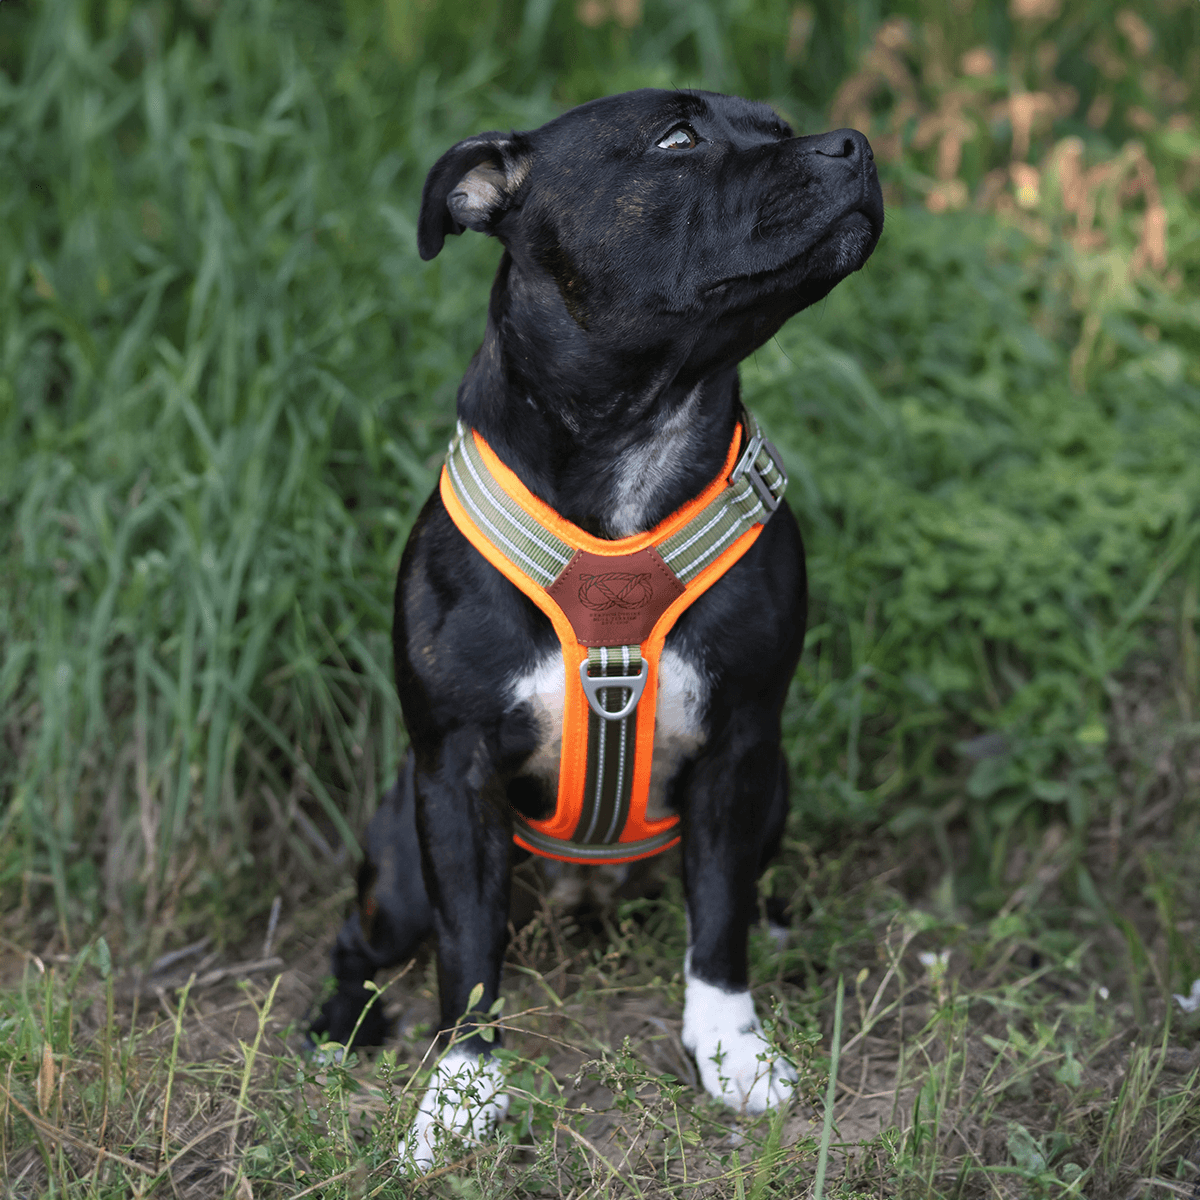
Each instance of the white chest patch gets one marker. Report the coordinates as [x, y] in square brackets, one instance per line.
[678, 725]
[646, 468]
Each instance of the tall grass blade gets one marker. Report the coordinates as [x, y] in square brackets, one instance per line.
[830, 1093]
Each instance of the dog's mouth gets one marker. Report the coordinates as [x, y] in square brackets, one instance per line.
[839, 252]
[844, 248]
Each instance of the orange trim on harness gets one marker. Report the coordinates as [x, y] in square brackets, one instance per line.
[573, 760]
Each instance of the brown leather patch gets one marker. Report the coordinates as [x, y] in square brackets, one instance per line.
[614, 600]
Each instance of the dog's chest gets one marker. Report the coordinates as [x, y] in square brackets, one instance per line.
[678, 726]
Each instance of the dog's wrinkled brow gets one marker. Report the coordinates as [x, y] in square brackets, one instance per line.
[686, 104]
[678, 106]
[762, 121]
[754, 119]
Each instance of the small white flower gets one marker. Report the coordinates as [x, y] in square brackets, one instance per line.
[1102, 992]
[1191, 1002]
[931, 959]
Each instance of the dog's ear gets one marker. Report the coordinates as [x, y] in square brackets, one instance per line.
[470, 187]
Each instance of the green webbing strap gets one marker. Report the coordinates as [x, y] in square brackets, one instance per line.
[610, 750]
[622, 851]
[523, 540]
[756, 485]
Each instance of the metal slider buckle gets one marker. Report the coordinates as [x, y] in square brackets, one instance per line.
[747, 465]
[593, 685]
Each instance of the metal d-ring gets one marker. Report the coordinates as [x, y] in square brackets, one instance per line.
[594, 684]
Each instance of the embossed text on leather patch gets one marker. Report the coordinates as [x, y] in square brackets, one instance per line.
[614, 600]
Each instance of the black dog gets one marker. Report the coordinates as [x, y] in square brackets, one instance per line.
[652, 241]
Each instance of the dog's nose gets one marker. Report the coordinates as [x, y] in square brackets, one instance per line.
[844, 143]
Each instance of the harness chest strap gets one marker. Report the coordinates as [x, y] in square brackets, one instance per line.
[612, 604]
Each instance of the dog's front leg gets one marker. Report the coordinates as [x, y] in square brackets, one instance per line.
[466, 843]
[735, 804]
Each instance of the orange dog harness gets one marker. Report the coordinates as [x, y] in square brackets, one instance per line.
[612, 604]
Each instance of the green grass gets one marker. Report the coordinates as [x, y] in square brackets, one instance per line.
[226, 383]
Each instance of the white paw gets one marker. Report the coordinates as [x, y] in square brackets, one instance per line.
[463, 1100]
[327, 1054]
[736, 1062]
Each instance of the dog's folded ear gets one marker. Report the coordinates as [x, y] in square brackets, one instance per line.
[470, 187]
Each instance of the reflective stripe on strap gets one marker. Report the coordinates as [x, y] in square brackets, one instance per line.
[517, 534]
[551, 847]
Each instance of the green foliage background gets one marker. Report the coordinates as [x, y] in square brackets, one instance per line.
[226, 382]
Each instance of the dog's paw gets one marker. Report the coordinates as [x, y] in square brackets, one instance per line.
[345, 1014]
[463, 1101]
[736, 1062]
[324, 1054]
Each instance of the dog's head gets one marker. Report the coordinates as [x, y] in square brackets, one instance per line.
[680, 223]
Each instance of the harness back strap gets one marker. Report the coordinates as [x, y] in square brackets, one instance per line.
[612, 604]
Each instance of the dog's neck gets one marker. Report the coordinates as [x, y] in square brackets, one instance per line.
[615, 459]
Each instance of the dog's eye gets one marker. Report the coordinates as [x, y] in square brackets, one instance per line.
[682, 137]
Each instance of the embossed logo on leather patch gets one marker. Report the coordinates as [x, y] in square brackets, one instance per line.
[616, 589]
[614, 600]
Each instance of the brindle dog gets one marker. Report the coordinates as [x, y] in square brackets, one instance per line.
[651, 241]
